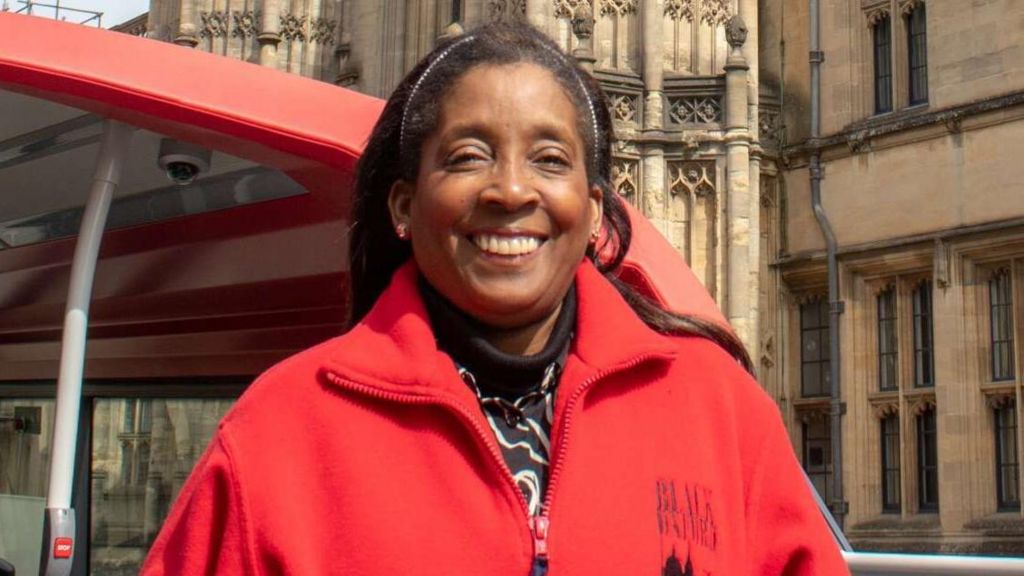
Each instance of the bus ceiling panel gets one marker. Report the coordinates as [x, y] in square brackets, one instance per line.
[25, 120]
[184, 93]
[46, 171]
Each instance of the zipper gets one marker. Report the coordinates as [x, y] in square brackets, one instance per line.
[540, 524]
[539, 528]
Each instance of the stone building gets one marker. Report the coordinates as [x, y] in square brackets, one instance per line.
[922, 111]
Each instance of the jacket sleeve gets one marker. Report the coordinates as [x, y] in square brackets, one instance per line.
[787, 534]
[206, 531]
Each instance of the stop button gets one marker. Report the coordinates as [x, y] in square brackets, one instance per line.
[62, 547]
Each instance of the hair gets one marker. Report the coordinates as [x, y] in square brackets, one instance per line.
[411, 115]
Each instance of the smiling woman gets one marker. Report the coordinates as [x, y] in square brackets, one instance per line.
[502, 403]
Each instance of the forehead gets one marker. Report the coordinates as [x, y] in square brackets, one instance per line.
[509, 96]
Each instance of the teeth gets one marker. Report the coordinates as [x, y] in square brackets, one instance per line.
[507, 245]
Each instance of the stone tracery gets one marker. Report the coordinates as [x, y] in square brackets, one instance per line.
[569, 8]
[618, 7]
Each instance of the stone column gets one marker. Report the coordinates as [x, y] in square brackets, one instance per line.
[269, 37]
[187, 27]
[652, 191]
[536, 14]
[739, 266]
[653, 24]
[749, 12]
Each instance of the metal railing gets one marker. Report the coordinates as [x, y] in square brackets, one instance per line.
[878, 564]
[870, 564]
[57, 12]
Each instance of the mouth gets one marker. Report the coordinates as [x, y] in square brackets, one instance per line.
[507, 245]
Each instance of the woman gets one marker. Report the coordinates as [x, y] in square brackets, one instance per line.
[501, 404]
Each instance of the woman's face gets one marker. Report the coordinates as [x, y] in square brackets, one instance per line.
[501, 213]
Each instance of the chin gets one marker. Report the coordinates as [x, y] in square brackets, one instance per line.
[506, 309]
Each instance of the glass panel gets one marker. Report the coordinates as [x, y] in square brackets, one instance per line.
[809, 315]
[817, 455]
[1007, 462]
[890, 464]
[47, 168]
[883, 66]
[917, 46]
[928, 477]
[26, 434]
[812, 346]
[138, 470]
[811, 380]
[1010, 482]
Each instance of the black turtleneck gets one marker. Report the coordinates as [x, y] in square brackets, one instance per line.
[497, 373]
[524, 438]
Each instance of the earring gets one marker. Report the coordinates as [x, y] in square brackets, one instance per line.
[595, 236]
[402, 231]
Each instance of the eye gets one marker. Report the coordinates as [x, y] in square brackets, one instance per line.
[466, 157]
[553, 159]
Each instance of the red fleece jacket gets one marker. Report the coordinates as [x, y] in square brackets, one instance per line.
[368, 455]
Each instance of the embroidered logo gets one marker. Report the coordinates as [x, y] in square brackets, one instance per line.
[686, 522]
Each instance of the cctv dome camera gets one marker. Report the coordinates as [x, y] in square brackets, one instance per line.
[183, 162]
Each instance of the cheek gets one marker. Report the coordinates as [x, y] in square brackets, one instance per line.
[573, 214]
[436, 215]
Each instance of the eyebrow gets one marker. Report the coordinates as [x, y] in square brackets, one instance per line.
[541, 131]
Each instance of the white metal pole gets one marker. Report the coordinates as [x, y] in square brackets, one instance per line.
[867, 564]
[59, 522]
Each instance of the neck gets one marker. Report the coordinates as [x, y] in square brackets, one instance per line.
[503, 360]
[525, 340]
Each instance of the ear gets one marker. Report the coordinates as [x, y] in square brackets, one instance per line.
[400, 203]
[597, 208]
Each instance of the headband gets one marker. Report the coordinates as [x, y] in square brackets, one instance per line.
[444, 54]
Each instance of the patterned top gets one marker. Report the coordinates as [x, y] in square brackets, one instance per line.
[524, 440]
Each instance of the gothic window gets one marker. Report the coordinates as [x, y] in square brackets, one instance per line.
[924, 358]
[814, 349]
[138, 416]
[1007, 462]
[887, 340]
[917, 54]
[882, 36]
[1001, 312]
[927, 462]
[135, 437]
[817, 453]
[891, 463]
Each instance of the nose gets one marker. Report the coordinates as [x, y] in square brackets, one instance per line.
[512, 187]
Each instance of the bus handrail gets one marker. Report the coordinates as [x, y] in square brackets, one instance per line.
[879, 564]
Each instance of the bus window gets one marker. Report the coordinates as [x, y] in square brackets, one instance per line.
[143, 450]
[26, 429]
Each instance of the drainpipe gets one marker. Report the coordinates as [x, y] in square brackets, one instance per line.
[837, 409]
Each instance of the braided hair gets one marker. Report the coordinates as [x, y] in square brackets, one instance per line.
[410, 116]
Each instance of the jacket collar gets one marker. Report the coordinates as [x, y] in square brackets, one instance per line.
[393, 347]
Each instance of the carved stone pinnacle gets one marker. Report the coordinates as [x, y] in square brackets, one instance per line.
[583, 27]
[736, 31]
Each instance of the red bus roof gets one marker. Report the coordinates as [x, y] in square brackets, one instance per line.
[229, 306]
[184, 92]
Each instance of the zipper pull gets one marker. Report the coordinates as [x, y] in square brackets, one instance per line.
[539, 529]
